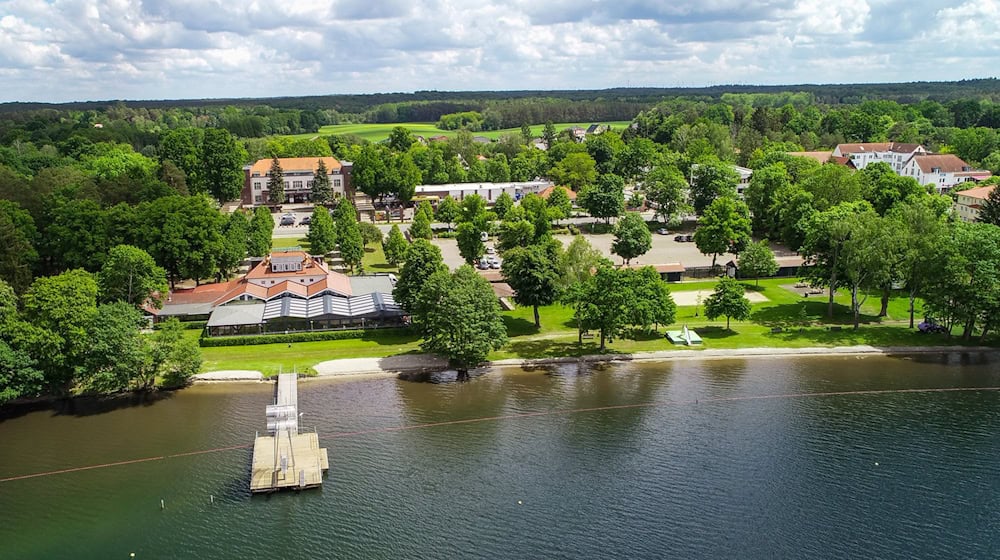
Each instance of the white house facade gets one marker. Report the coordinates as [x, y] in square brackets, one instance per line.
[944, 171]
[298, 176]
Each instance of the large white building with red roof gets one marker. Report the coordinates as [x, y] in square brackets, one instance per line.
[298, 177]
[896, 154]
[968, 203]
[944, 171]
[289, 291]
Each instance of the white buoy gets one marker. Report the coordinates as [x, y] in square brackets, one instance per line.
[876, 463]
[519, 502]
[212, 498]
[161, 504]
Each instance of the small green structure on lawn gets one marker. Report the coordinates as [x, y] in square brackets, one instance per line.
[684, 336]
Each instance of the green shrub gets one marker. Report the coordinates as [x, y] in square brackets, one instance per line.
[313, 336]
[446, 234]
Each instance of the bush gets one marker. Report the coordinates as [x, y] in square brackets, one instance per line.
[276, 338]
[446, 235]
[573, 230]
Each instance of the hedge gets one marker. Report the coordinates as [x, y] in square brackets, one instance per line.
[313, 336]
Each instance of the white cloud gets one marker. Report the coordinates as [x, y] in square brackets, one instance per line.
[102, 49]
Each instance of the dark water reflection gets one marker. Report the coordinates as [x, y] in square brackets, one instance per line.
[703, 473]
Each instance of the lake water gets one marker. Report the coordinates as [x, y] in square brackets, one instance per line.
[702, 469]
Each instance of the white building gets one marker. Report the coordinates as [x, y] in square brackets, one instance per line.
[298, 175]
[968, 203]
[944, 171]
[489, 191]
[896, 154]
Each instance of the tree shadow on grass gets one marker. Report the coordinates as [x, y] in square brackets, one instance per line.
[391, 337]
[805, 312]
[381, 266]
[519, 327]
[715, 333]
[530, 349]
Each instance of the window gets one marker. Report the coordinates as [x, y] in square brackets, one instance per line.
[286, 184]
[336, 182]
[258, 199]
[309, 184]
[256, 185]
[297, 184]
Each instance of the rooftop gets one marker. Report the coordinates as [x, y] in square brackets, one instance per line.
[302, 164]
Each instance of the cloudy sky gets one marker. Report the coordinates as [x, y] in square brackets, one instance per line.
[65, 50]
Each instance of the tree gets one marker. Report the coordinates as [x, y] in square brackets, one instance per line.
[448, 211]
[578, 262]
[400, 139]
[183, 235]
[601, 302]
[321, 191]
[369, 172]
[666, 190]
[831, 184]
[173, 357]
[650, 302]
[727, 300]
[725, 223]
[758, 260]
[560, 206]
[868, 256]
[17, 253]
[370, 233]
[459, 318]
[322, 236]
[516, 233]
[422, 260]
[711, 179]
[421, 226]
[116, 355]
[222, 164]
[497, 169]
[19, 374]
[549, 134]
[181, 148]
[65, 306]
[826, 234]
[276, 183]
[473, 209]
[470, 243]
[403, 179]
[129, 274]
[576, 171]
[990, 212]
[884, 189]
[395, 246]
[235, 237]
[75, 235]
[791, 211]
[352, 248]
[533, 273]
[632, 237]
[261, 229]
[502, 204]
[760, 196]
[606, 199]
[924, 246]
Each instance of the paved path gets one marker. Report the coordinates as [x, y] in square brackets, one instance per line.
[230, 375]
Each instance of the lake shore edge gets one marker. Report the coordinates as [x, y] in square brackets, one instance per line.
[415, 363]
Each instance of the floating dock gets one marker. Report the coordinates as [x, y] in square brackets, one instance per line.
[286, 458]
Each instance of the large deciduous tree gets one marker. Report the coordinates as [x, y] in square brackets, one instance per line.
[184, 236]
[470, 243]
[605, 199]
[757, 260]
[761, 194]
[261, 229]
[533, 273]
[632, 237]
[666, 191]
[131, 275]
[459, 318]
[222, 161]
[577, 170]
[826, 234]
[560, 206]
[349, 240]
[724, 224]
[422, 260]
[727, 301]
[448, 211]
[420, 228]
[711, 179]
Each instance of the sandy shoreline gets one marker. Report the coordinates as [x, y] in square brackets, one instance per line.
[409, 363]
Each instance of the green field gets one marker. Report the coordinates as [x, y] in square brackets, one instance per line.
[377, 132]
[803, 322]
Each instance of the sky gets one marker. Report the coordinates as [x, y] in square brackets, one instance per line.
[76, 50]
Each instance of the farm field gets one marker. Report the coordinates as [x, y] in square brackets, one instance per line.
[377, 132]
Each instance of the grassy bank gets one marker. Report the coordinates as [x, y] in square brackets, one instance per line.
[802, 319]
[378, 132]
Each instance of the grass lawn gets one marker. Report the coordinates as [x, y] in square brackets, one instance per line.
[803, 321]
[374, 260]
[377, 132]
[286, 242]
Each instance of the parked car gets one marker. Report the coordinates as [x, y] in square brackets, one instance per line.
[305, 221]
[287, 220]
[484, 237]
[689, 238]
[491, 250]
[663, 231]
[494, 262]
[483, 263]
[679, 238]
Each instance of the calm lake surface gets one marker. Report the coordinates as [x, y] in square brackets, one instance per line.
[706, 473]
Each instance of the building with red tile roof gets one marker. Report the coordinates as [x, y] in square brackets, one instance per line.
[968, 203]
[298, 176]
[944, 171]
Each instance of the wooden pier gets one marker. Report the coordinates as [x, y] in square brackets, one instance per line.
[286, 458]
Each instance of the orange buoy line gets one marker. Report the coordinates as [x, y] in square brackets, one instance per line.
[520, 415]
